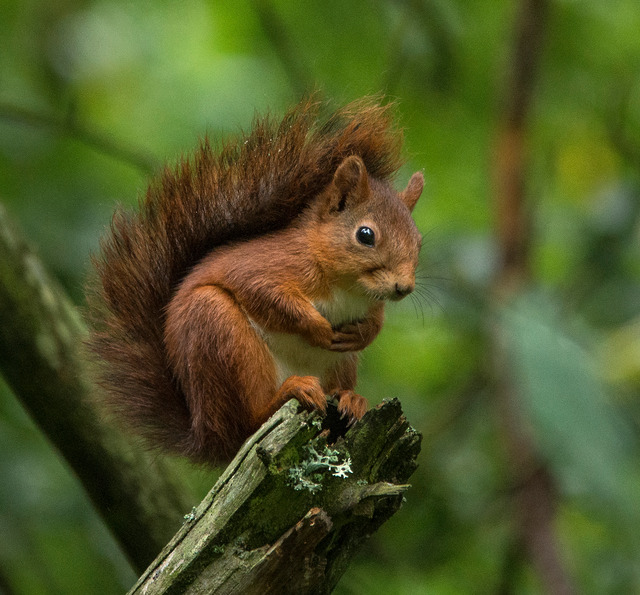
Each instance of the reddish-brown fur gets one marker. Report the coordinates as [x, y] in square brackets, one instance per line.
[232, 256]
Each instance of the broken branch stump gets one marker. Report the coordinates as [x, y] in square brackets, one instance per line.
[293, 507]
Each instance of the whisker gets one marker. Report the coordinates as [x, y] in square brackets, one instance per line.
[417, 305]
[429, 295]
[420, 275]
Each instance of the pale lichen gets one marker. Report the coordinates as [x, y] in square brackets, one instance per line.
[308, 475]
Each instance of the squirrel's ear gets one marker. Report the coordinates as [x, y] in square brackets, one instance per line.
[412, 192]
[350, 180]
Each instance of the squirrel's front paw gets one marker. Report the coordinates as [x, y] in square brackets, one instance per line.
[306, 390]
[353, 336]
[320, 335]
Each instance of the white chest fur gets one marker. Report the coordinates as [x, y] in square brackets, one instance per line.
[293, 356]
[343, 307]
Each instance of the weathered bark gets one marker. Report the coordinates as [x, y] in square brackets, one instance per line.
[292, 509]
[41, 338]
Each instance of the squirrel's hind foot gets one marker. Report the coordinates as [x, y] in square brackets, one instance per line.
[351, 405]
[307, 390]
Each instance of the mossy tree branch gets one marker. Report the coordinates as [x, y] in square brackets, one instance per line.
[293, 508]
[41, 338]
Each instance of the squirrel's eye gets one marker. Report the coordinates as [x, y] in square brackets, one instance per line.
[365, 236]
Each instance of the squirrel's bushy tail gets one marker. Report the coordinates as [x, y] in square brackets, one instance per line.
[254, 184]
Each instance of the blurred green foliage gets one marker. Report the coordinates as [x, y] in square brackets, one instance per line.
[94, 95]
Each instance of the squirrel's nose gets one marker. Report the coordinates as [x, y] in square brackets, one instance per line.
[403, 290]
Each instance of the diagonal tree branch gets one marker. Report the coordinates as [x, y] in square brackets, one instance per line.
[69, 125]
[41, 338]
[292, 509]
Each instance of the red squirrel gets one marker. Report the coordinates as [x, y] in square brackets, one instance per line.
[255, 275]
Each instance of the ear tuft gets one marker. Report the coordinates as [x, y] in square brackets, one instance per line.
[350, 179]
[412, 192]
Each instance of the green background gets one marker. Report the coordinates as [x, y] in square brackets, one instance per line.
[94, 96]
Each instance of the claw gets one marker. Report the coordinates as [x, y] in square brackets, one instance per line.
[307, 390]
[351, 405]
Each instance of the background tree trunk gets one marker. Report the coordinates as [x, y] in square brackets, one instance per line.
[41, 358]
